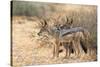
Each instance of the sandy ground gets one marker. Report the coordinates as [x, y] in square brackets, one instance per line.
[27, 50]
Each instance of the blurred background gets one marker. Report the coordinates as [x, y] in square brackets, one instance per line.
[83, 15]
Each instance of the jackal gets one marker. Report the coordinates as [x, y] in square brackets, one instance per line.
[79, 38]
[52, 29]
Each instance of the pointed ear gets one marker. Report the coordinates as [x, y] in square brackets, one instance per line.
[66, 19]
[70, 22]
[43, 22]
[58, 19]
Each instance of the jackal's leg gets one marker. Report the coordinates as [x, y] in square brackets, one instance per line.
[68, 52]
[56, 49]
[75, 48]
[67, 49]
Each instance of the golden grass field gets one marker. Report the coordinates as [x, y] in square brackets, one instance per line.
[28, 49]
